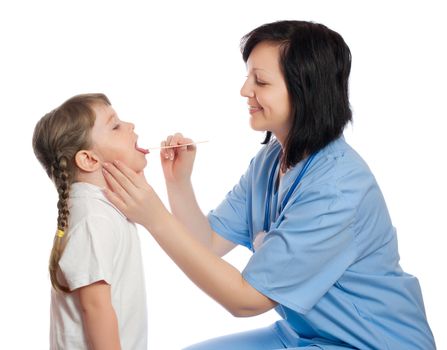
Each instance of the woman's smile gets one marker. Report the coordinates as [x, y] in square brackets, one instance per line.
[254, 109]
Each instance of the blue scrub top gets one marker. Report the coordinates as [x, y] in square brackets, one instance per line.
[330, 258]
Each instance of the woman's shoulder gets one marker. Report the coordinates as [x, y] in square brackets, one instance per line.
[343, 158]
[340, 167]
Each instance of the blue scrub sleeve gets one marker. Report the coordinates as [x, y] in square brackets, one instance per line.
[89, 253]
[307, 249]
[230, 218]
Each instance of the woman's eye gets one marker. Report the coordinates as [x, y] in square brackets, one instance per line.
[116, 127]
[261, 83]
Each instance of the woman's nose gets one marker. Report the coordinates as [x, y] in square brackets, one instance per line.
[246, 90]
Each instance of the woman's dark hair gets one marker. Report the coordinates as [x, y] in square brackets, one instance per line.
[316, 63]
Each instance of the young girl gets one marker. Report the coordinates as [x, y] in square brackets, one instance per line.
[98, 299]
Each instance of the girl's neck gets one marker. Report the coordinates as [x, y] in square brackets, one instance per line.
[95, 178]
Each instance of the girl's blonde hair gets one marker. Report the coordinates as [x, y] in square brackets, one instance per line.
[58, 136]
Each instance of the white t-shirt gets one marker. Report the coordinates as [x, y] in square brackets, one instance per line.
[100, 244]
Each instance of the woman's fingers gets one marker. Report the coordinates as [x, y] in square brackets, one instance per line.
[110, 173]
[123, 180]
[115, 199]
[186, 148]
[174, 140]
[163, 151]
[168, 151]
[130, 175]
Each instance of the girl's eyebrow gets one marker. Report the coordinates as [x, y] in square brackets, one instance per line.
[111, 117]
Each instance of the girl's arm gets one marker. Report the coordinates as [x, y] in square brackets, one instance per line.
[225, 284]
[177, 164]
[99, 317]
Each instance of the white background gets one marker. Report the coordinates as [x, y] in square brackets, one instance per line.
[175, 66]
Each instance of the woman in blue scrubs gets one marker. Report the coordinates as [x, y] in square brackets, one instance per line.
[324, 249]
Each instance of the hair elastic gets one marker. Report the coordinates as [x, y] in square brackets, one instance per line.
[60, 233]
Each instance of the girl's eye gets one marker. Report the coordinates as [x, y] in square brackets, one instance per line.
[116, 127]
[260, 83]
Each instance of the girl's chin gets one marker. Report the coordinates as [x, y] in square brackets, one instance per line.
[137, 166]
[140, 168]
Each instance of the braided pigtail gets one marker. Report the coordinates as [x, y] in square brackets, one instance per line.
[57, 138]
[61, 179]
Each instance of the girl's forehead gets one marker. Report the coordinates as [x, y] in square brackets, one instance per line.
[104, 114]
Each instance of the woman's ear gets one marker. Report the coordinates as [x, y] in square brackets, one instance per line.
[87, 161]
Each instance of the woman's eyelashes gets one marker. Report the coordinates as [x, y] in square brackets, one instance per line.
[257, 81]
[116, 127]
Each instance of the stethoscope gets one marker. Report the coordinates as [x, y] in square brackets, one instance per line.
[289, 192]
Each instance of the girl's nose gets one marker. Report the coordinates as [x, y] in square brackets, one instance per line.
[131, 125]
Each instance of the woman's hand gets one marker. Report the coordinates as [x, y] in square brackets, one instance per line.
[177, 163]
[133, 196]
[224, 283]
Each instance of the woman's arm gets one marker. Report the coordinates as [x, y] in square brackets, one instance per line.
[213, 275]
[177, 164]
[185, 208]
[99, 317]
[225, 284]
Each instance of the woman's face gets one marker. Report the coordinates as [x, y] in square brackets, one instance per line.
[266, 91]
[114, 139]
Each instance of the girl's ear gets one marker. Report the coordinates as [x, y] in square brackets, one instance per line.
[87, 161]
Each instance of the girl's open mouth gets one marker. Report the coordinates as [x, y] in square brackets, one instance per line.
[142, 150]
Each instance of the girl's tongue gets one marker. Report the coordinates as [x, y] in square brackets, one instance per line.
[142, 150]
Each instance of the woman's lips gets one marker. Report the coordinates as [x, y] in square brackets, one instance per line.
[253, 109]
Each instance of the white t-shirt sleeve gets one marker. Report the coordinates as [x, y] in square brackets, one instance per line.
[88, 256]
